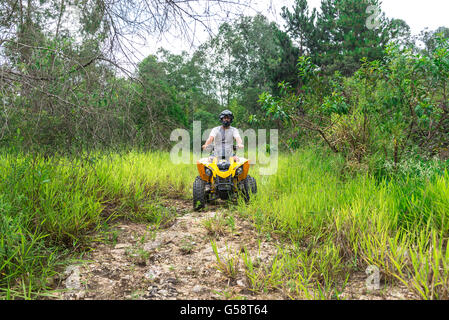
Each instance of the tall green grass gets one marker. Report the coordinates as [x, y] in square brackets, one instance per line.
[50, 206]
[334, 224]
[343, 223]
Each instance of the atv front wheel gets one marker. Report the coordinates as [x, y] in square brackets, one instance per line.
[199, 194]
[252, 184]
[249, 187]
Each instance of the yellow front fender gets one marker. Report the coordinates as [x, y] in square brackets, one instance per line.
[203, 163]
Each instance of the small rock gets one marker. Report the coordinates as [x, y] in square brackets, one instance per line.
[240, 283]
[152, 291]
[163, 292]
[197, 289]
[153, 274]
[120, 246]
[150, 246]
[172, 280]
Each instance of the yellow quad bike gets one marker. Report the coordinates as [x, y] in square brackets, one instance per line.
[222, 179]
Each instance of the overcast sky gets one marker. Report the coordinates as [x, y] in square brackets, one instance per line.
[418, 14]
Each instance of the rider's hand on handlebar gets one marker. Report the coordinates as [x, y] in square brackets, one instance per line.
[240, 146]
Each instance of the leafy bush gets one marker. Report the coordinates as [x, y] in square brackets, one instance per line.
[390, 110]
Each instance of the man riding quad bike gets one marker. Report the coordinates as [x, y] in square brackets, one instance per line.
[223, 175]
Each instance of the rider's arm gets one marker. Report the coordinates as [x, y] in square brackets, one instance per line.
[238, 139]
[208, 142]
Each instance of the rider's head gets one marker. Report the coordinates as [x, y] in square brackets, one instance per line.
[226, 118]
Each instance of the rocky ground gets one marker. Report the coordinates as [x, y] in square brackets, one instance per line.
[173, 263]
[178, 262]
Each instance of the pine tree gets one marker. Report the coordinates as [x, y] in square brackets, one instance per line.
[342, 33]
[300, 25]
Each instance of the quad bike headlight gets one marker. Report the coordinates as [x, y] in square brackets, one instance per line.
[208, 172]
[239, 171]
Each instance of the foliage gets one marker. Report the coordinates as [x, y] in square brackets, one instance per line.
[337, 37]
[62, 85]
[248, 57]
[391, 109]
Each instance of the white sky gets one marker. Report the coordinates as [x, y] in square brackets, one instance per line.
[418, 14]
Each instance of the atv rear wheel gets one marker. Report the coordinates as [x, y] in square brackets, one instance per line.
[199, 194]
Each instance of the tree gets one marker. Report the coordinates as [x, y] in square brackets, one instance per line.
[157, 108]
[342, 33]
[248, 57]
[301, 26]
[190, 76]
[430, 38]
[389, 110]
[62, 80]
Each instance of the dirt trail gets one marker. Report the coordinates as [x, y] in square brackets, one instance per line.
[173, 263]
[178, 262]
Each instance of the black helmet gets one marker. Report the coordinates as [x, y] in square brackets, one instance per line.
[224, 114]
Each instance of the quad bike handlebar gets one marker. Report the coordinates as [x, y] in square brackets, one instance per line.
[212, 149]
